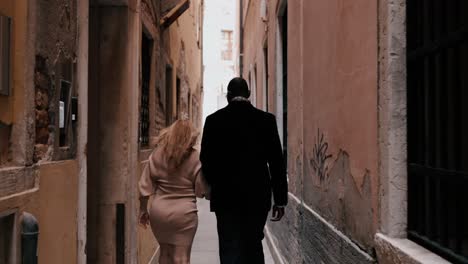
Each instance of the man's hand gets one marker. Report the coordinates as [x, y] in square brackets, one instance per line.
[277, 213]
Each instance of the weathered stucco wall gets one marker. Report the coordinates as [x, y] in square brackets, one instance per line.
[49, 191]
[179, 46]
[56, 49]
[55, 207]
[332, 125]
[182, 46]
[255, 32]
[115, 79]
[340, 116]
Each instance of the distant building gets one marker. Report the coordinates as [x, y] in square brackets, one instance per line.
[221, 56]
[370, 99]
[84, 86]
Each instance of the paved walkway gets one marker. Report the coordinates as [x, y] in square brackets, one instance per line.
[205, 246]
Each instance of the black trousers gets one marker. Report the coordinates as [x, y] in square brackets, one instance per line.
[240, 237]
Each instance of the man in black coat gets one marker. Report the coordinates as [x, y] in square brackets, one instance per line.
[242, 161]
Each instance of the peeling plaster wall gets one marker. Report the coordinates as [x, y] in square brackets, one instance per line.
[332, 125]
[340, 116]
[56, 49]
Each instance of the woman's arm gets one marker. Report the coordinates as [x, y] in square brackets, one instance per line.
[146, 188]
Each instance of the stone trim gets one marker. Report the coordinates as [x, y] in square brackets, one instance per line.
[392, 118]
[334, 230]
[14, 180]
[404, 251]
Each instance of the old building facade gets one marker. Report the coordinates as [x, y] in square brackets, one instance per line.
[85, 86]
[368, 180]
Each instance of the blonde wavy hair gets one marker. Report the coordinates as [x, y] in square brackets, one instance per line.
[177, 141]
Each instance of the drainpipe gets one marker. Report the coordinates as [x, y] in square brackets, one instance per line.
[82, 84]
[241, 38]
[29, 238]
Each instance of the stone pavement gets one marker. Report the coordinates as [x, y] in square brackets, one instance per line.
[205, 246]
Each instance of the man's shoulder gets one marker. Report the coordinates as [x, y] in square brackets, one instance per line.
[216, 115]
[264, 114]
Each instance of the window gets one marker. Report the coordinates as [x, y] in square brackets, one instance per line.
[7, 233]
[67, 104]
[5, 42]
[146, 45]
[67, 110]
[437, 126]
[226, 52]
[227, 35]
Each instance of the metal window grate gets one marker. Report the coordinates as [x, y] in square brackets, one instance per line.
[146, 45]
[438, 126]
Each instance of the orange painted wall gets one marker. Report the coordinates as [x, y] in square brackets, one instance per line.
[55, 207]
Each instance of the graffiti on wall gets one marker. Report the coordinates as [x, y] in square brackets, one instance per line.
[320, 156]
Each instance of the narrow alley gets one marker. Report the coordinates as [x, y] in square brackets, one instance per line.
[205, 246]
[369, 99]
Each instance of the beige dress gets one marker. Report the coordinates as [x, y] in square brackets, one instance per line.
[173, 210]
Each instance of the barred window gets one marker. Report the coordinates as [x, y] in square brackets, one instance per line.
[437, 128]
[146, 45]
[226, 52]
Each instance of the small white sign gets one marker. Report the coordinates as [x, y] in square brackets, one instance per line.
[62, 114]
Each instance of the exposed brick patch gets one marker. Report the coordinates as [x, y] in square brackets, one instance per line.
[5, 133]
[42, 83]
[42, 99]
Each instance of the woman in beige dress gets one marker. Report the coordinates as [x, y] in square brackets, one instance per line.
[173, 176]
